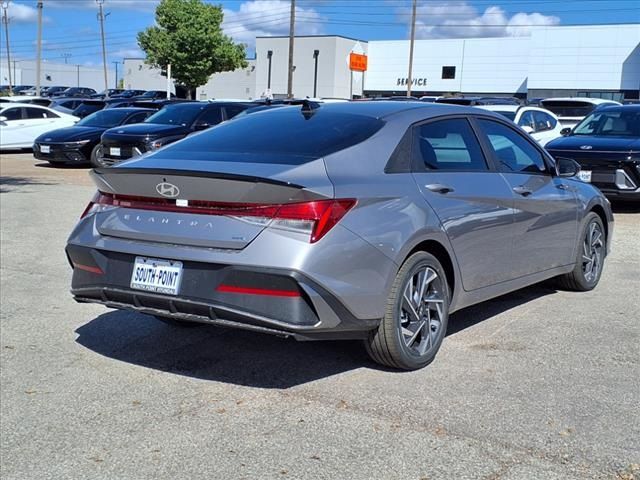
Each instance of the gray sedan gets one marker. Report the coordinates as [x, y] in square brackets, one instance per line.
[366, 220]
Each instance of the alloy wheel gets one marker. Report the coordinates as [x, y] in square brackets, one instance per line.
[422, 311]
[592, 252]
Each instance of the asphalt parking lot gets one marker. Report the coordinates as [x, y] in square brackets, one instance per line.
[538, 384]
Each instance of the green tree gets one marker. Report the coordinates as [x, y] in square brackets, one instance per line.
[188, 36]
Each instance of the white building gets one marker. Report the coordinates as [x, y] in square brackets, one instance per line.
[23, 72]
[595, 60]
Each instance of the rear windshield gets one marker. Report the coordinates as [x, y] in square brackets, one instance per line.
[564, 108]
[283, 134]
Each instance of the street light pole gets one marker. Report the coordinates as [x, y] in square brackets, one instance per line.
[413, 37]
[5, 20]
[39, 50]
[104, 49]
[292, 24]
[269, 55]
[77, 75]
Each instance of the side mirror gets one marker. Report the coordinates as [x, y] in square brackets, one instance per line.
[567, 167]
[528, 129]
[3, 119]
[565, 131]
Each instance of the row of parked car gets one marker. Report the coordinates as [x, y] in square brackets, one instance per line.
[56, 91]
[118, 129]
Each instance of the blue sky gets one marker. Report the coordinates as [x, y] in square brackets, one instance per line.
[71, 29]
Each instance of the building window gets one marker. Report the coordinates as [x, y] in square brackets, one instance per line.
[448, 73]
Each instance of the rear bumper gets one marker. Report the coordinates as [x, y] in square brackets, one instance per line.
[313, 314]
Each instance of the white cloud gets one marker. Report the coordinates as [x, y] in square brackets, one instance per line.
[266, 18]
[20, 13]
[458, 19]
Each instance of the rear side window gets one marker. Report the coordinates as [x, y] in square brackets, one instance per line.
[12, 113]
[137, 118]
[282, 135]
[447, 145]
[233, 110]
[513, 152]
[211, 116]
[38, 113]
[544, 121]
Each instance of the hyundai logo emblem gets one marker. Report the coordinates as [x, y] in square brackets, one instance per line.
[167, 190]
[586, 147]
[48, 139]
[120, 131]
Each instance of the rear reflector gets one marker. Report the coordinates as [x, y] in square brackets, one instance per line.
[257, 291]
[315, 218]
[87, 268]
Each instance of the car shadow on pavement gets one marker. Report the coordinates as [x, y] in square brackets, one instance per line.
[470, 316]
[7, 182]
[625, 207]
[248, 358]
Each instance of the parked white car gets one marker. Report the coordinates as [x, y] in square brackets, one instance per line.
[541, 124]
[21, 124]
[570, 111]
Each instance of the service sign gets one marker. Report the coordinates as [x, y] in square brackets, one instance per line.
[357, 62]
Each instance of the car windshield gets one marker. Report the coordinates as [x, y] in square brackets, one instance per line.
[510, 115]
[282, 135]
[104, 118]
[176, 115]
[569, 108]
[615, 122]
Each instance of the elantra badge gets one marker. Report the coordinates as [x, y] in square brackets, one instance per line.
[167, 190]
[586, 147]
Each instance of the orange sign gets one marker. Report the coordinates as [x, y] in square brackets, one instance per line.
[357, 62]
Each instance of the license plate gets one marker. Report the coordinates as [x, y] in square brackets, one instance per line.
[154, 275]
[115, 151]
[45, 149]
[585, 175]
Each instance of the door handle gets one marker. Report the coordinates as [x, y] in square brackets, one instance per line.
[522, 190]
[438, 188]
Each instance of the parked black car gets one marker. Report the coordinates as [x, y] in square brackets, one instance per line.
[478, 100]
[154, 95]
[65, 104]
[128, 94]
[87, 107]
[108, 93]
[74, 92]
[134, 102]
[606, 144]
[81, 143]
[171, 123]
[52, 90]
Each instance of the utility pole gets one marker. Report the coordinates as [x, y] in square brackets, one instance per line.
[66, 57]
[39, 49]
[116, 63]
[101, 18]
[5, 20]
[292, 24]
[413, 37]
[77, 75]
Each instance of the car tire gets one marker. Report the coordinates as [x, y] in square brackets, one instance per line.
[589, 258]
[96, 157]
[414, 326]
[175, 322]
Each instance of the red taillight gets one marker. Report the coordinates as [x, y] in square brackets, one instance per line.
[316, 217]
[324, 214]
[88, 268]
[257, 291]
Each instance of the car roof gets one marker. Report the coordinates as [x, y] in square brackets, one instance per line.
[595, 101]
[386, 108]
[132, 109]
[625, 108]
